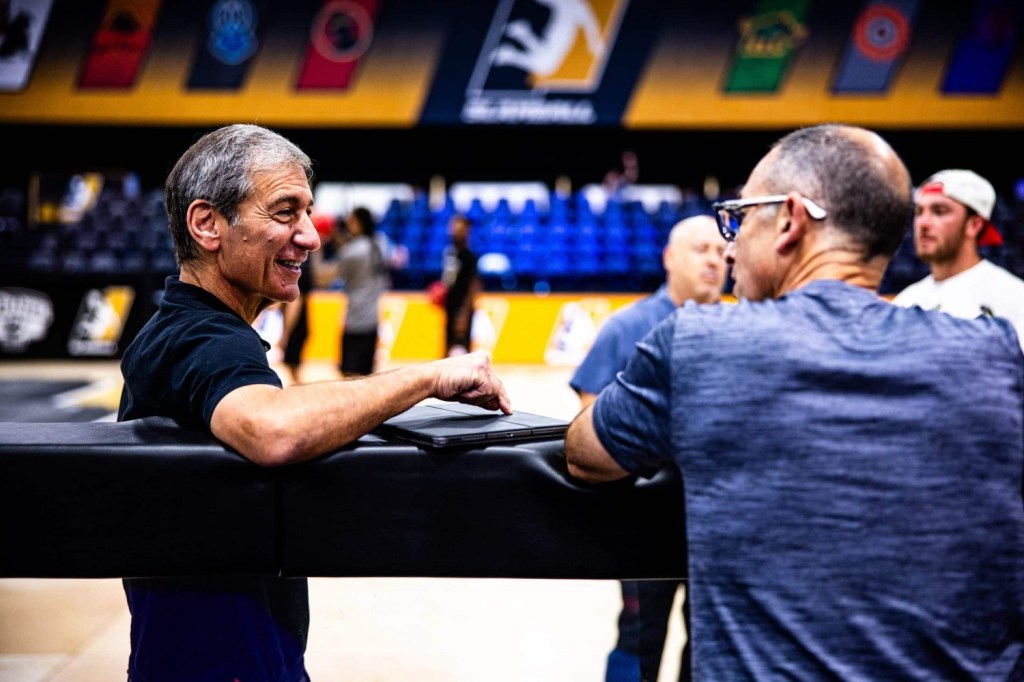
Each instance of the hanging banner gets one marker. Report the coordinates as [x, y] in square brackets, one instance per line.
[21, 29]
[768, 40]
[983, 53]
[232, 36]
[876, 48]
[570, 62]
[341, 34]
[120, 44]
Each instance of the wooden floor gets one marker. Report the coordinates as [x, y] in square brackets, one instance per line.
[372, 630]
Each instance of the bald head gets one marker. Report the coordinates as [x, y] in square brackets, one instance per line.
[846, 207]
[854, 174]
[694, 260]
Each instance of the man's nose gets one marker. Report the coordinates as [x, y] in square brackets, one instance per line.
[730, 253]
[307, 237]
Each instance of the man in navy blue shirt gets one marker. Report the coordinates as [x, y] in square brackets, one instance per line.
[695, 270]
[239, 203]
[852, 468]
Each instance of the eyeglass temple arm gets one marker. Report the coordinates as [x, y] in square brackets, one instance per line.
[813, 210]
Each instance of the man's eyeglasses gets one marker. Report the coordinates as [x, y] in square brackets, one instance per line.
[730, 214]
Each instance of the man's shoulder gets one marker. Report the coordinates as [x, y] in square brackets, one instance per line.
[634, 317]
[771, 315]
[358, 246]
[1001, 275]
[910, 293]
[180, 325]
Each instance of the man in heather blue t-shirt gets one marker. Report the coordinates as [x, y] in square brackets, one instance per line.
[695, 271]
[852, 469]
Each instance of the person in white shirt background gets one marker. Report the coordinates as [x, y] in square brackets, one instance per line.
[952, 218]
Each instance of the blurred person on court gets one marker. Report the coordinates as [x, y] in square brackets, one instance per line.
[952, 219]
[295, 324]
[238, 203]
[461, 280]
[695, 269]
[360, 265]
[852, 468]
[295, 314]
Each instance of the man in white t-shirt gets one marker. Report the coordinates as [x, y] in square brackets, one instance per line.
[952, 218]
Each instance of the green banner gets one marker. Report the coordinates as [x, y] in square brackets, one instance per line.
[768, 38]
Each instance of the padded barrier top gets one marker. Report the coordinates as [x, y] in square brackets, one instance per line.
[147, 498]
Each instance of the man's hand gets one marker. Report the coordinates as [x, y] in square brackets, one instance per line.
[470, 379]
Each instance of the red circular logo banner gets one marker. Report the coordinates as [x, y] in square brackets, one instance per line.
[882, 32]
[342, 31]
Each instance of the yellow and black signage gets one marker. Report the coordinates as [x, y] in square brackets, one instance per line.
[400, 63]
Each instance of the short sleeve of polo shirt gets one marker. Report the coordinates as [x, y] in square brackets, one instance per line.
[217, 356]
[632, 416]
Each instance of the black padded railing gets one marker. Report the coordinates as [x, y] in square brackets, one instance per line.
[146, 498]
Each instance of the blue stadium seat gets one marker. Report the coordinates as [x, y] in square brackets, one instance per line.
[134, 262]
[616, 237]
[555, 264]
[476, 212]
[616, 262]
[394, 213]
[614, 211]
[164, 263]
[104, 261]
[74, 262]
[587, 264]
[420, 209]
[43, 261]
[525, 259]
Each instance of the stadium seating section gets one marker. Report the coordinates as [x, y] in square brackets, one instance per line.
[529, 237]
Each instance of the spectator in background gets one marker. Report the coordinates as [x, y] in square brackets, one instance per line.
[361, 267]
[952, 218]
[295, 324]
[619, 177]
[695, 271]
[462, 283]
[852, 468]
[238, 203]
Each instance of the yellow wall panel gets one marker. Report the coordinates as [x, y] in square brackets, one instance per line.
[515, 328]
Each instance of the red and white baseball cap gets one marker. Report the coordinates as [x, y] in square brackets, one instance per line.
[971, 190]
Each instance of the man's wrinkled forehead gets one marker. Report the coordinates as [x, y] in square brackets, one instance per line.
[287, 181]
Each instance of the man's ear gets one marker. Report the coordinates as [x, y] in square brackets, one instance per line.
[792, 224]
[975, 224]
[203, 224]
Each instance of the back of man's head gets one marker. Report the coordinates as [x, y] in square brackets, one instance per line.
[856, 176]
[219, 168]
[694, 261]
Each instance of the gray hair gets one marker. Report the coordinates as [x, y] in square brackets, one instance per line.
[219, 168]
[867, 195]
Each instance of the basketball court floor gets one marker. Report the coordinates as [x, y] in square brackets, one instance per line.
[361, 630]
